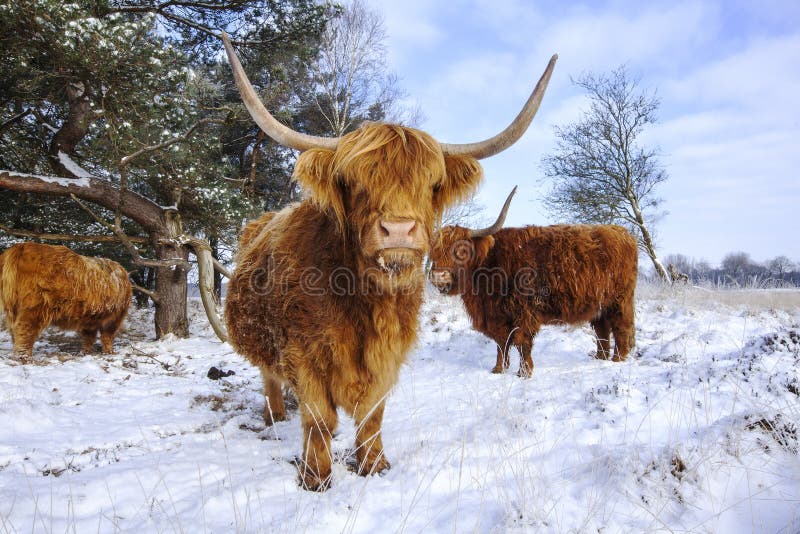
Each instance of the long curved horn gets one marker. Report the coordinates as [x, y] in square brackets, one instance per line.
[498, 224]
[277, 131]
[509, 136]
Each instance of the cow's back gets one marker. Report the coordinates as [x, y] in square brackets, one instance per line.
[567, 272]
[64, 288]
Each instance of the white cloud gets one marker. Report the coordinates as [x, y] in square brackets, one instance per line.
[763, 76]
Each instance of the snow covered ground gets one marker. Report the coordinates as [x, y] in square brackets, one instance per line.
[697, 431]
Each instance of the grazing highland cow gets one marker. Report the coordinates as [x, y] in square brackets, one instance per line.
[42, 285]
[326, 293]
[515, 280]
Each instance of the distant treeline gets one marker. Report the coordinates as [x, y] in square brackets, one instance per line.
[737, 269]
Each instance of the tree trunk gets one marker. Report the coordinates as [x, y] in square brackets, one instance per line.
[74, 129]
[171, 286]
[647, 242]
[171, 283]
[651, 252]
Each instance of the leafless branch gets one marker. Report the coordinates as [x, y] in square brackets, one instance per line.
[15, 118]
[221, 268]
[160, 146]
[152, 294]
[134, 252]
[69, 237]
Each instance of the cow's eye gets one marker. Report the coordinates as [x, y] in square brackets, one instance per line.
[462, 251]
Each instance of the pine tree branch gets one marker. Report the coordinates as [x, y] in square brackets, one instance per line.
[134, 252]
[70, 237]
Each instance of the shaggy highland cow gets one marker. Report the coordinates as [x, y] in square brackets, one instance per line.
[514, 280]
[326, 293]
[42, 285]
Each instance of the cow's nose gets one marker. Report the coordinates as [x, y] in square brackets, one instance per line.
[441, 277]
[400, 234]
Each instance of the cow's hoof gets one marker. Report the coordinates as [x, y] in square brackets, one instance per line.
[374, 466]
[310, 481]
[525, 373]
[497, 370]
[271, 418]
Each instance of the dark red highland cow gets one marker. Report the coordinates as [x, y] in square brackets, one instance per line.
[514, 280]
[326, 293]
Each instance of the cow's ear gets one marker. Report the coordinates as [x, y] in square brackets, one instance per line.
[313, 172]
[463, 174]
[482, 247]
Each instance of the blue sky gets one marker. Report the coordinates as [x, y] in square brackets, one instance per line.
[727, 74]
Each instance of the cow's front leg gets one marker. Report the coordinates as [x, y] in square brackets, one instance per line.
[369, 445]
[24, 334]
[88, 337]
[502, 360]
[107, 334]
[319, 421]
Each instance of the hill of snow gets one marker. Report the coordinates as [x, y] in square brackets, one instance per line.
[697, 431]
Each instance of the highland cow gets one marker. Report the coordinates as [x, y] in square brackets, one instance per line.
[42, 285]
[515, 280]
[326, 293]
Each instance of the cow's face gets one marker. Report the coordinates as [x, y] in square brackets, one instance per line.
[386, 186]
[454, 257]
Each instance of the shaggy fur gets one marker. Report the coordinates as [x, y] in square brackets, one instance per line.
[42, 285]
[519, 279]
[315, 302]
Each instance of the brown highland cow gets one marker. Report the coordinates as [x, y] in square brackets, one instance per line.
[326, 293]
[42, 285]
[514, 280]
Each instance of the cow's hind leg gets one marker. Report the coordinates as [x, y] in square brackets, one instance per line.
[525, 359]
[523, 340]
[274, 409]
[602, 332]
[369, 445]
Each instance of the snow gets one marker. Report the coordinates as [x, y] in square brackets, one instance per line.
[695, 432]
[64, 182]
[73, 167]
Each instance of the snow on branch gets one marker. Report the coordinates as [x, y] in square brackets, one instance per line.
[73, 167]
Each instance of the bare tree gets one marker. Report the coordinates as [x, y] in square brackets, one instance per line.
[780, 266]
[353, 82]
[467, 214]
[600, 173]
[737, 266]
